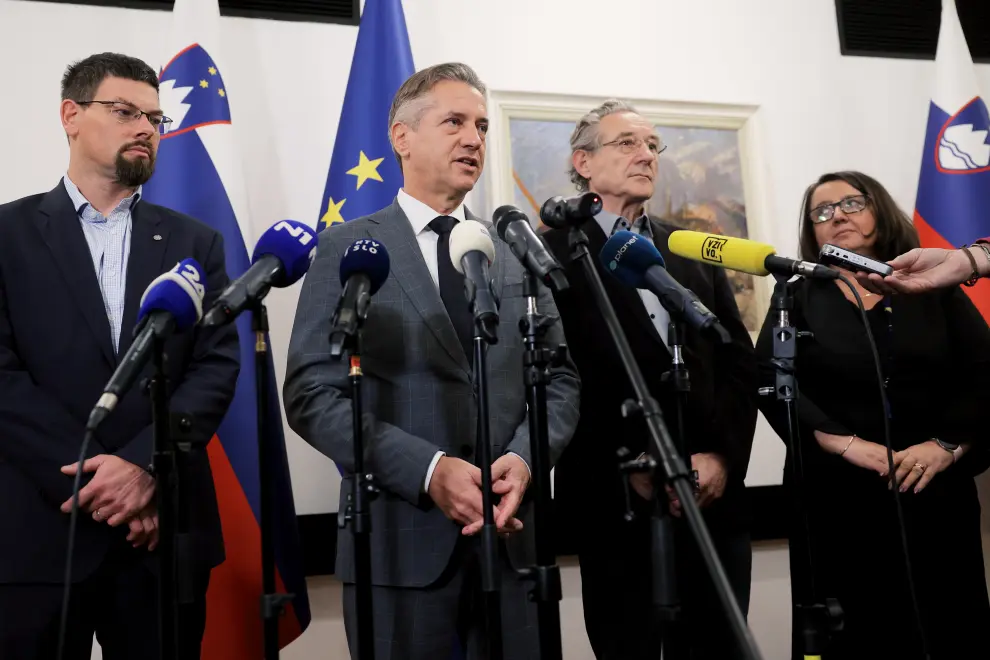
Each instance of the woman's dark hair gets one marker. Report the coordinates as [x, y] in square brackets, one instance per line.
[895, 233]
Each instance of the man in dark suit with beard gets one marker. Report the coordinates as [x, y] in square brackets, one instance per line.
[615, 154]
[73, 264]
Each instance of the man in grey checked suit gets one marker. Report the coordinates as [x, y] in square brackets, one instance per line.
[420, 425]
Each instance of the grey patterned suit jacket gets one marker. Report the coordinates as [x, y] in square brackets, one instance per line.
[417, 394]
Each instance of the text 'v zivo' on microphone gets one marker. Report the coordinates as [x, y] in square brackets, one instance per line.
[173, 302]
[742, 255]
[565, 212]
[472, 251]
[636, 262]
[364, 267]
[281, 257]
[514, 228]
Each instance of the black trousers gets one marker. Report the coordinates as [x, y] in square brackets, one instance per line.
[119, 603]
[446, 620]
[616, 591]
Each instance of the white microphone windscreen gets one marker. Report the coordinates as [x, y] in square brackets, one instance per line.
[469, 235]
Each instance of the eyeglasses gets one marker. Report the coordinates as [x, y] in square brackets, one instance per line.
[630, 145]
[825, 212]
[125, 113]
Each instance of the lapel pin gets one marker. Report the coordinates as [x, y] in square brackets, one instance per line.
[157, 237]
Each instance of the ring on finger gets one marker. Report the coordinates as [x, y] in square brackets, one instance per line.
[920, 467]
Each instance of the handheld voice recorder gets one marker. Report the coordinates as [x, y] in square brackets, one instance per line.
[831, 255]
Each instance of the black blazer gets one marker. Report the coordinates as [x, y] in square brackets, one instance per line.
[722, 407]
[56, 357]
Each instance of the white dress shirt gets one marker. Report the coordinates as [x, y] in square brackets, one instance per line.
[109, 241]
[420, 216]
[611, 223]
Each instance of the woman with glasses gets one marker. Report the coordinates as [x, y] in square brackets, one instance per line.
[934, 350]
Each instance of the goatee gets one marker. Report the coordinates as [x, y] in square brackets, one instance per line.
[136, 172]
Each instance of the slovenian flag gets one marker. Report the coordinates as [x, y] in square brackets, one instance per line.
[197, 173]
[953, 205]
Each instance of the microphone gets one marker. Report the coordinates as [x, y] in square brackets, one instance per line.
[282, 256]
[514, 228]
[472, 251]
[636, 262]
[742, 255]
[364, 267]
[561, 213]
[172, 302]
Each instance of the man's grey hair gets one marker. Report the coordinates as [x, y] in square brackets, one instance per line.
[586, 135]
[411, 102]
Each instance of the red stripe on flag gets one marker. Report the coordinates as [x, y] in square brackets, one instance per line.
[234, 628]
[980, 293]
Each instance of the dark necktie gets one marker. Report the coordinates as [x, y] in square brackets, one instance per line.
[452, 285]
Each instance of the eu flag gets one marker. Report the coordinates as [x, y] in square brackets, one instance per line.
[954, 184]
[364, 176]
[193, 175]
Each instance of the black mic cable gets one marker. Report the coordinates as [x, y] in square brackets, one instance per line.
[915, 605]
[73, 519]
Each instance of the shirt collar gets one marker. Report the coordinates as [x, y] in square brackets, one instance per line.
[79, 201]
[420, 215]
[608, 221]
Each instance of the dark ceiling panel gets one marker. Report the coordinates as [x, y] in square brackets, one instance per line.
[908, 28]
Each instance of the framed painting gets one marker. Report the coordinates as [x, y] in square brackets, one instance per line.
[710, 178]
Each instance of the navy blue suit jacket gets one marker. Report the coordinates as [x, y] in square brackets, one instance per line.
[56, 356]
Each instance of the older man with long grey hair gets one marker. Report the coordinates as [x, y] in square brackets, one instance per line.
[615, 153]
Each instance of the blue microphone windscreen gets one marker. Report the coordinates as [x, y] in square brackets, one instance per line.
[628, 256]
[366, 256]
[179, 292]
[291, 242]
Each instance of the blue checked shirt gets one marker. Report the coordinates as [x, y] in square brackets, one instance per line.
[109, 240]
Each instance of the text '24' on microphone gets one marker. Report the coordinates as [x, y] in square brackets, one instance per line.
[742, 255]
[364, 267]
[636, 262]
[282, 256]
[565, 212]
[472, 251]
[514, 228]
[173, 302]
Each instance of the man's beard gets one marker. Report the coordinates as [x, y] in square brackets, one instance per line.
[136, 172]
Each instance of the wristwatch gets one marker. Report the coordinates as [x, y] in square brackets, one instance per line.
[947, 446]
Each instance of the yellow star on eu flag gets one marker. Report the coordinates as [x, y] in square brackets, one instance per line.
[366, 169]
[332, 216]
[204, 84]
[221, 92]
[212, 70]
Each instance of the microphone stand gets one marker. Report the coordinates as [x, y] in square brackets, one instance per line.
[490, 586]
[673, 466]
[364, 489]
[545, 574]
[166, 494]
[663, 532]
[272, 603]
[818, 621]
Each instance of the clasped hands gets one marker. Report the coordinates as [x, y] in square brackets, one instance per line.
[119, 493]
[915, 466]
[712, 478]
[455, 487]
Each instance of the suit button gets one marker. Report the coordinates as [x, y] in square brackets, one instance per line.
[467, 451]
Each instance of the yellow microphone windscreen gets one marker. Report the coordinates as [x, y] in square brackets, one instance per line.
[725, 251]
